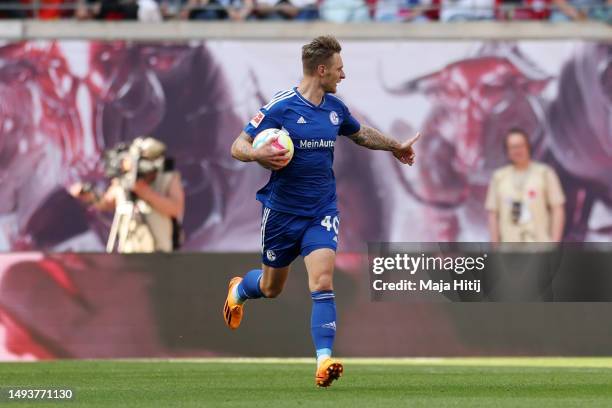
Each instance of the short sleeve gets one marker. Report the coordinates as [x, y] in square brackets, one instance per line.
[264, 119]
[491, 203]
[349, 125]
[554, 192]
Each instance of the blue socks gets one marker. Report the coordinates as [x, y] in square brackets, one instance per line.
[323, 318]
[323, 323]
[249, 287]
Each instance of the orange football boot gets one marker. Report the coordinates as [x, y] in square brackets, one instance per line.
[232, 311]
[328, 371]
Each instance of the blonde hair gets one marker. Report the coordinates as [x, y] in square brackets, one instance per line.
[318, 52]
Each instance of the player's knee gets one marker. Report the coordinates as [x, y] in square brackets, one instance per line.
[322, 282]
[271, 291]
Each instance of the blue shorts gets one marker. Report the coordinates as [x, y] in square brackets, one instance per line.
[285, 236]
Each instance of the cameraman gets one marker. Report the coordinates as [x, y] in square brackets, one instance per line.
[153, 193]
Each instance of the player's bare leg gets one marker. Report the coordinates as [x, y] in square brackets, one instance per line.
[320, 267]
[265, 282]
[273, 280]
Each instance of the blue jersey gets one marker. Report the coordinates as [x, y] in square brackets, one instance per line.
[306, 186]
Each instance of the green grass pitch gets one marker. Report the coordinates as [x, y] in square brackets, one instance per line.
[460, 382]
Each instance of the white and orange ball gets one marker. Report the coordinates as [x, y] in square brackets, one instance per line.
[282, 142]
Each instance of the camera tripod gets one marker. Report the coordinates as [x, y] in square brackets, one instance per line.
[130, 230]
[124, 214]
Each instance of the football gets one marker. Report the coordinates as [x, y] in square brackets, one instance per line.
[282, 142]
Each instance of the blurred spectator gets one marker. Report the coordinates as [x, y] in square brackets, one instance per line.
[467, 10]
[108, 9]
[285, 10]
[149, 11]
[41, 9]
[171, 9]
[417, 11]
[343, 11]
[579, 10]
[52, 9]
[204, 10]
[6, 12]
[523, 10]
[525, 200]
[236, 10]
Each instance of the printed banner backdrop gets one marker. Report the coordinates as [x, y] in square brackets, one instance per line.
[114, 306]
[62, 103]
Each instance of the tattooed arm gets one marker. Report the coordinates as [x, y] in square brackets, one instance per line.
[242, 148]
[375, 140]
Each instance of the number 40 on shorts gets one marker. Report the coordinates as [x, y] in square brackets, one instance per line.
[328, 223]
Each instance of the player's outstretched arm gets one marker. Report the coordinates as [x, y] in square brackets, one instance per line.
[266, 155]
[375, 140]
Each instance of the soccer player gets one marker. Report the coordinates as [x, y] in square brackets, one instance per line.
[300, 213]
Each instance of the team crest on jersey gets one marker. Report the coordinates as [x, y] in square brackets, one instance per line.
[333, 118]
[257, 119]
[270, 255]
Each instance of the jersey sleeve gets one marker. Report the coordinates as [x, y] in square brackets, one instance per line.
[264, 119]
[349, 124]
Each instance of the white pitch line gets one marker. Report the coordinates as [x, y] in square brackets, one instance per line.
[561, 362]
